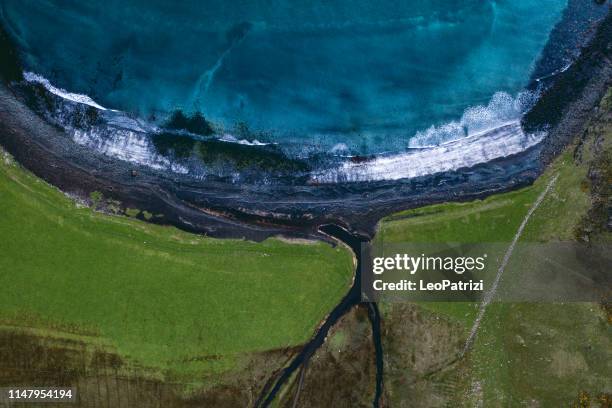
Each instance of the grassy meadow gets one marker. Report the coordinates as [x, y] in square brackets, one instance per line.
[162, 298]
[526, 353]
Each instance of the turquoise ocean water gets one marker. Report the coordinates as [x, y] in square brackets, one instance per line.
[356, 76]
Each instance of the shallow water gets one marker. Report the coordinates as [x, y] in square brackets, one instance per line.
[355, 76]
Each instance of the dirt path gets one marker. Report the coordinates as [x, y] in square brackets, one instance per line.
[491, 293]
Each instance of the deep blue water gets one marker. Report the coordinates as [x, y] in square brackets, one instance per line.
[367, 75]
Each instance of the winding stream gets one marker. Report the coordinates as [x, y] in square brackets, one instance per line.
[351, 299]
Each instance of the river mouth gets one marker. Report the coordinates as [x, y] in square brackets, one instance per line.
[352, 299]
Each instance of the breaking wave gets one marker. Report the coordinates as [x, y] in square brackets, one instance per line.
[502, 109]
[62, 93]
[502, 141]
[119, 135]
[483, 133]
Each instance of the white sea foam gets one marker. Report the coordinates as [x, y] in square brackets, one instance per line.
[124, 138]
[482, 147]
[128, 146]
[120, 120]
[233, 139]
[502, 109]
[339, 148]
[483, 133]
[75, 97]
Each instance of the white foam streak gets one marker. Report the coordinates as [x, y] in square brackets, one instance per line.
[232, 139]
[75, 97]
[128, 146]
[482, 147]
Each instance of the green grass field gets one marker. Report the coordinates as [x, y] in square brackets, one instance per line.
[494, 220]
[157, 295]
[553, 354]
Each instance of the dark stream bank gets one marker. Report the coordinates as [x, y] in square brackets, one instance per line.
[351, 299]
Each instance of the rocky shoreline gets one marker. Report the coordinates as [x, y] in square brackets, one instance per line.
[257, 211]
[238, 211]
[566, 105]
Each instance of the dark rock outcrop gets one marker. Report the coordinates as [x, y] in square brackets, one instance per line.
[564, 107]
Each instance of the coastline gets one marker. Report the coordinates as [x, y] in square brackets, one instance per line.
[255, 212]
[225, 210]
[565, 106]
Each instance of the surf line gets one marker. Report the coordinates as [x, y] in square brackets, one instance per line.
[491, 293]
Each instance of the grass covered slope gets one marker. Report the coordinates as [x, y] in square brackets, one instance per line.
[525, 354]
[496, 218]
[158, 295]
